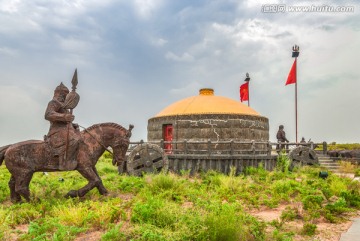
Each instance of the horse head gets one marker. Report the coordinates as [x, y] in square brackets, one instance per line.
[120, 145]
[114, 135]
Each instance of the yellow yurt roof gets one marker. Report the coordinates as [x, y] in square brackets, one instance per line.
[207, 103]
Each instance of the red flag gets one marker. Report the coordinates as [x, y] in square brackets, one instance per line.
[292, 75]
[244, 92]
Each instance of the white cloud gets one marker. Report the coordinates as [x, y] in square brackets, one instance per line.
[76, 45]
[8, 51]
[159, 42]
[29, 16]
[185, 57]
[10, 6]
[16, 26]
[190, 89]
[146, 8]
[22, 116]
[257, 3]
[254, 30]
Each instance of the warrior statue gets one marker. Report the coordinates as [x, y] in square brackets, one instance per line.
[64, 148]
[281, 137]
[63, 137]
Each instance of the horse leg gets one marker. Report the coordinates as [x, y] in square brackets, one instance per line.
[14, 196]
[22, 184]
[93, 179]
[101, 188]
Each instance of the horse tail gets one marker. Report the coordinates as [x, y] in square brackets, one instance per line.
[2, 153]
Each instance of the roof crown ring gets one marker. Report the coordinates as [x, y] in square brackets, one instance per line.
[206, 91]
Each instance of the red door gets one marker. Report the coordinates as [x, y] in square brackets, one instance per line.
[168, 137]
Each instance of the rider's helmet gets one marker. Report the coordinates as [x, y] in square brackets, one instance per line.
[61, 92]
[62, 88]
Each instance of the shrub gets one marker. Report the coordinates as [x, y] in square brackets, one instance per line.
[346, 167]
[113, 234]
[211, 178]
[22, 214]
[338, 206]
[284, 188]
[4, 188]
[155, 211]
[43, 229]
[279, 236]
[283, 163]
[162, 182]
[289, 214]
[337, 185]
[130, 184]
[357, 172]
[312, 202]
[309, 229]
[352, 198]
[224, 223]
[229, 185]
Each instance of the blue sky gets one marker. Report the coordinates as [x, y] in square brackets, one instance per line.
[136, 57]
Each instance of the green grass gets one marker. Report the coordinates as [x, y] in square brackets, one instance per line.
[339, 146]
[209, 206]
[347, 146]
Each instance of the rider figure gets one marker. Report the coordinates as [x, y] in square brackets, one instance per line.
[63, 136]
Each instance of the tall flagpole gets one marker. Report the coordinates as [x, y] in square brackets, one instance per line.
[295, 54]
[296, 109]
[247, 79]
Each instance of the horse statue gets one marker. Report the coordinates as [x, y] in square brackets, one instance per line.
[24, 158]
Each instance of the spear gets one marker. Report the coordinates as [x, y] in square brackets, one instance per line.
[71, 101]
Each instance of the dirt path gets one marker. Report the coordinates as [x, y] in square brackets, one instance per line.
[325, 231]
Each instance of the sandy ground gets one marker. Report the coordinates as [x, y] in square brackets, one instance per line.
[325, 231]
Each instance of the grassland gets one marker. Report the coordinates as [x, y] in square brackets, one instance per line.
[209, 206]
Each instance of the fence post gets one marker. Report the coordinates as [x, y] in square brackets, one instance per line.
[312, 145]
[185, 147]
[162, 143]
[324, 147]
[269, 148]
[232, 147]
[253, 147]
[209, 147]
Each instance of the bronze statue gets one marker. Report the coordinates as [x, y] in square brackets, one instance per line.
[63, 137]
[280, 136]
[64, 148]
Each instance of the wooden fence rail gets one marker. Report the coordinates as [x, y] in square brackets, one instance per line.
[232, 148]
[196, 156]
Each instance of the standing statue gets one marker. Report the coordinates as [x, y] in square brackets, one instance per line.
[63, 136]
[280, 136]
[64, 148]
